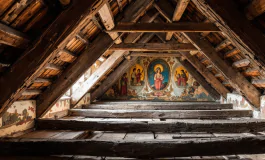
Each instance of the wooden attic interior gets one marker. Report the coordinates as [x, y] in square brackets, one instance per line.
[47, 45]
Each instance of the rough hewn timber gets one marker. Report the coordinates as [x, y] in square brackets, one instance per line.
[12, 37]
[199, 78]
[219, 87]
[165, 114]
[138, 47]
[154, 54]
[139, 149]
[233, 23]
[160, 106]
[73, 72]
[91, 54]
[26, 69]
[209, 126]
[165, 27]
[234, 77]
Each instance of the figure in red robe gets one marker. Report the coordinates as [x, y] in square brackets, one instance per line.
[158, 79]
[138, 76]
[124, 81]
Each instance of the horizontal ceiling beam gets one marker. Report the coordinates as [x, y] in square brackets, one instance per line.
[12, 37]
[153, 47]
[155, 54]
[165, 27]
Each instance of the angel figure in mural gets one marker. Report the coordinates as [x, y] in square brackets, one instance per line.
[124, 81]
[158, 79]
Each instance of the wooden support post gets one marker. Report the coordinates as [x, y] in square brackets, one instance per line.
[135, 149]
[179, 10]
[165, 27]
[28, 67]
[107, 19]
[210, 126]
[199, 78]
[235, 78]
[153, 47]
[96, 49]
[232, 22]
[11, 37]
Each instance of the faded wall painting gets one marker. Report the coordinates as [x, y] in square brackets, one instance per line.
[19, 116]
[158, 74]
[157, 79]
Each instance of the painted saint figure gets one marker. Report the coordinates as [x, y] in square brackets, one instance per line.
[138, 76]
[184, 78]
[133, 77]
[124, 81]
[158, 79]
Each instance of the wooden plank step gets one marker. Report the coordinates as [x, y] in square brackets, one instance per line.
[196, 106]
[134, 148]
[172, 114]
[54, 134]
[210, 126]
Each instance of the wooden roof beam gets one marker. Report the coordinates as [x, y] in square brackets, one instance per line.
[231, 21]
[29, 66]
[231, 53]
[107, 19]
[259, 83]
[254, 9]
[42, 80]
[223, 44]
[95, 77]
[153, 47]
[12, 37]
[155, 54]
[241, 63]
[252, 72]
[96, 49]
[179, 10]
[31, 92]
[165, 27]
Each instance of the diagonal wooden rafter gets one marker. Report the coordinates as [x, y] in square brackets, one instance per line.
[102, 70]
[121, 69]
[76, 69]
[237, 28]
[235, 78]
[28, 67]
[179, 10]
[12, 37]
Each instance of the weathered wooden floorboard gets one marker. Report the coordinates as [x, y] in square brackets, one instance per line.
[210, 126]
[139, 149]
[172, 114]
[194, 106]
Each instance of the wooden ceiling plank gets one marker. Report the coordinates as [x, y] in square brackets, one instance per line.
[12, 37]
[154, 54]
[236, 27]
[42, 80]
[54, 67]
[165, 27]
[31, 92]
[153, 47]
[179, 10]
[28, 67]
[241, 63]
[107, 19]
[96, 49]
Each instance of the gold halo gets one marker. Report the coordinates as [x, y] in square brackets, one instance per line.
[158, 66]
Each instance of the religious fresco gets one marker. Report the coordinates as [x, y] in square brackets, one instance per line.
[19, 116]
[157, 79]
[158, 74]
